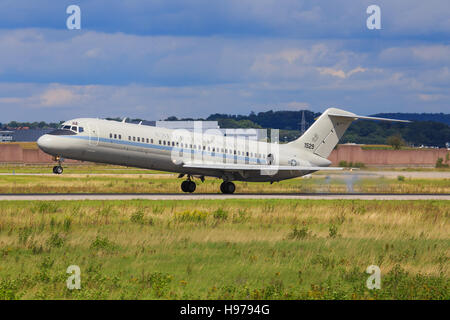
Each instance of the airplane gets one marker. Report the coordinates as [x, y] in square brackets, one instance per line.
[199, 154]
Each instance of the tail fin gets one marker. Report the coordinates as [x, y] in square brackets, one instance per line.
[326, 131]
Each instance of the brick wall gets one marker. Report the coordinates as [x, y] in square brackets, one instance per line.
[417, 157]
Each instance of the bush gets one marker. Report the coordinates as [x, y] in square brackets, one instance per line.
[102, 244]
[220, 214]
[298, 234]
[191, 216]
[401, 178]
[333, 231]
[55, 241]
[440, 163]
[137, 217]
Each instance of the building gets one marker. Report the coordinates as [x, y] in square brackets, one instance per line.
[6, 136]
[29, 135]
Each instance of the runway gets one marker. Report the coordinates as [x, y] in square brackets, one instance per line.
[211, 196]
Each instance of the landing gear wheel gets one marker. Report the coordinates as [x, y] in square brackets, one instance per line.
[191, 186]
[184, 186]
[58, 170]
[227, 187]
[188, 186]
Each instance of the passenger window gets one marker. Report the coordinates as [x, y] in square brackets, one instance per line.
[164, 142]
[134, 138]
[159, 141]
[173, 143]
[139, 139]
[115, 136]
[247, 154]
[151, 140]
[120, 137]
[110, 135]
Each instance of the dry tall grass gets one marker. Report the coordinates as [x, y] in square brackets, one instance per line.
[262, 249]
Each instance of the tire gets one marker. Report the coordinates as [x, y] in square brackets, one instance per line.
[227, 187]
[54, 169]
[191, 186]
[59, 170]
[230, 187]
[184, 186]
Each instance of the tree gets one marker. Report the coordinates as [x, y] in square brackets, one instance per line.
[396, 141]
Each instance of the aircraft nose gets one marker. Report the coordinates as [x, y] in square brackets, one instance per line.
[46, 143]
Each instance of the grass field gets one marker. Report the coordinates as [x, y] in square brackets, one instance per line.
[154, 183]
[231, 249]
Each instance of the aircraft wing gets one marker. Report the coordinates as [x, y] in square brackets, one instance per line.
[253, 167]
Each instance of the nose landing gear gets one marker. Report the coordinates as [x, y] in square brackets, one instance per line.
[58, 169]
[227, 187]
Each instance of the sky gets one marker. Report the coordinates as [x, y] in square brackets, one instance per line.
[154, 59]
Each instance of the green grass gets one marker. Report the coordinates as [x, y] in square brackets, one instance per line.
[153, 183]
[224, 249]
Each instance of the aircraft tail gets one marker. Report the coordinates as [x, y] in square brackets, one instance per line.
[326, 131]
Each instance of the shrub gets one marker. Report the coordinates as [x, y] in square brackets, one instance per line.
[401, 178]
[343, 163]
[102, 244]
[440, 163]
[191, 216]
[137, 217]
[333, 231]
[55, 241]
[298, 234]
[220, 214]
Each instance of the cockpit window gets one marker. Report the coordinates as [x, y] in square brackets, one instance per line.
[75, 129]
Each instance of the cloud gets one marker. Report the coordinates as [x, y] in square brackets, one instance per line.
[287, 18]
[57, 97]
[192, 58]
[430, 97]
[340, 73]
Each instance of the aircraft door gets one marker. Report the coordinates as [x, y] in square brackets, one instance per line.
[93, 134]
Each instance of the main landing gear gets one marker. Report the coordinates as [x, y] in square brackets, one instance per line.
[188, 186]
[227, 187]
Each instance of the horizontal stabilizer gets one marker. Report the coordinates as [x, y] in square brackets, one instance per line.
[354, 116]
